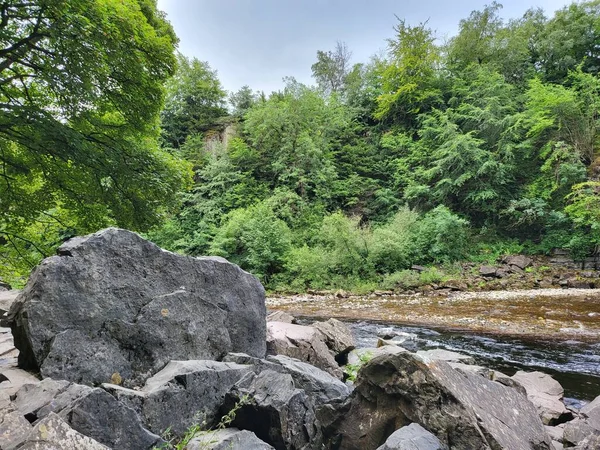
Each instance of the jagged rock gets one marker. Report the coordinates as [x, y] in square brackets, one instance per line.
[546, 394]
[439, 354]
[519, 261]
[183, 394]
[465, 411]
[338, 337]
[362, 355]
[555, 433]
[280, 316]
[52, 433]
[276, 411]
[487, 271]
[228, 439]
[591, 412]
[113, 304]
[589, 443]
[412, 437]
[303, 343]
[12, 378]
[14, 428]
[577, 430]
[90, 411]
[321, 386]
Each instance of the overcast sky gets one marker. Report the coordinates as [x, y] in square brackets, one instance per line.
[258, 42]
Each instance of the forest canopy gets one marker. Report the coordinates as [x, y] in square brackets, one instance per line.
[433, 153]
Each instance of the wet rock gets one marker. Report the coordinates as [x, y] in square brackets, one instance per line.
[228, 439]
[412, 437]
[465, 411]
[275, 410]
[303, 343]
[487, 271]
[114, 303]
[280, 316]
[53, 433]
[546, 394]
[338, 337]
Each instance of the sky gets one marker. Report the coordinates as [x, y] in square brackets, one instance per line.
[258, 42]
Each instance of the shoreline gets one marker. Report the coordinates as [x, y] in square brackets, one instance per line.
[542, 314]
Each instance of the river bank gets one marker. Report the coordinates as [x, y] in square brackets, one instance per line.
[561, 314]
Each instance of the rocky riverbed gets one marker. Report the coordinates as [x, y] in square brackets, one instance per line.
[541, 313]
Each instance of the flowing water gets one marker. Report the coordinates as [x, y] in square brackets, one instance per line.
[575, 365]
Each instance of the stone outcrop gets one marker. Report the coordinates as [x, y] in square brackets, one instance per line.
[113, 305]
[464, 410]
[546, 394]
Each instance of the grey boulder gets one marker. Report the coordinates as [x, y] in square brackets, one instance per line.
[412, 437]
[464, 410]
[546, 394]
[228, 439]
[338, 337]
[113, 305]
[183, 394]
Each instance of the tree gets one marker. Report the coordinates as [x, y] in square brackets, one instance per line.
[81, 85]
[242, 100]
[195, 100]
[409, 79]
[332, 68]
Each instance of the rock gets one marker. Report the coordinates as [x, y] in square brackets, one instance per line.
[576, 283]
[555, 433]
[591, 412]
[318, 384]
[487, 271]
[280, 316]
[53, 433]
[303, 343]
[362, 355]
[577, 430]
[519, 261]
[464, 410]
[183, 394]
[4, 286]
[439, 354]
[275, 410]
[13, 378]
[546, 394]
[338, 337]
[90, 411]
[228, 439]
[7, 298]
[412, 437]
[418, 268]
[114, 303]
[589, 443]
[14, 428]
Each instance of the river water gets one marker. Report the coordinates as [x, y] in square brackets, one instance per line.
[575, 365]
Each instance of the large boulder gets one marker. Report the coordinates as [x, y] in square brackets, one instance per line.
[464, 410]
[280, 414]
[338, 337]
[183, 394]
[412, 437]
[546, 394]
[92, 412]
[301, 342]
[112, 305]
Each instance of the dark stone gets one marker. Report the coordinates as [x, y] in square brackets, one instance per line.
[518, 261]
[115, 304]
[278, 413]
[464, 410]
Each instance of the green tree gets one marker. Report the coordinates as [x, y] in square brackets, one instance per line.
[194, 101]
[81, 85]
[332, 68]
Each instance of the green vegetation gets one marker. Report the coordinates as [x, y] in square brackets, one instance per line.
[484, 145]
